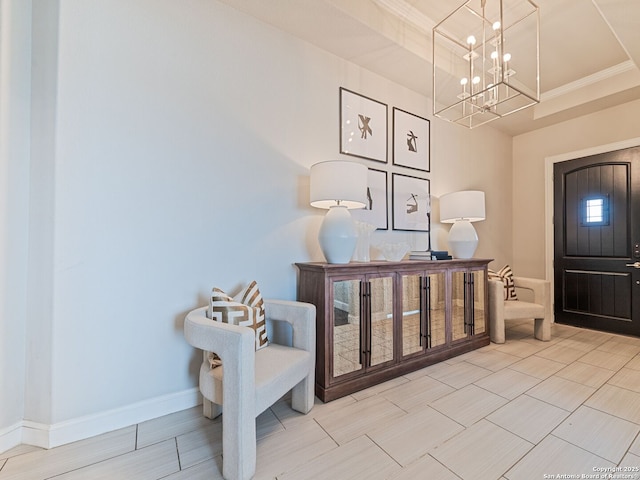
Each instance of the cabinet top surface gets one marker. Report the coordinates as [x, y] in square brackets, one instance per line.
[469, 262]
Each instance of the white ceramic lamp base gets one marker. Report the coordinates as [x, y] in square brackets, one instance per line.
[463, 239]
[338, 235]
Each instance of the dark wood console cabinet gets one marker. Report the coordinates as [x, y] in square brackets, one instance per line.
[378, 320]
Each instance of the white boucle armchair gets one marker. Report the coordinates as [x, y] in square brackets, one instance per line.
[539, 309]
[252, 380]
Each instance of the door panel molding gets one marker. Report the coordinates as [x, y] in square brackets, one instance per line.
[605, 295]
[578, 182]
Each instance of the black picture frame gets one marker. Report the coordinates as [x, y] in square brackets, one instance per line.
[363, 126]
[411, 140]
[411, 203]
[376, 212]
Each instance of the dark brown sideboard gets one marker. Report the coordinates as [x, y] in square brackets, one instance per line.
[378, 320]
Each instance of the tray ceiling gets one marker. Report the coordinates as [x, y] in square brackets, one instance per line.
[589, 49]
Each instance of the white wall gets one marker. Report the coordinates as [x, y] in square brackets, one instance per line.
[15, 47]
[529, 152]
[172, 156]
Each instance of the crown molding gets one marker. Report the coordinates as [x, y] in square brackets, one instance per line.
[583, 82]
[408, 13]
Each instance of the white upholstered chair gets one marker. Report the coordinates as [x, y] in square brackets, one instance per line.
[539, 309]
[252, 380]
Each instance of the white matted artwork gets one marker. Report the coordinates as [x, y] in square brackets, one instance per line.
[376, 210]
[411, 203]
[411, 140]
[363, 126]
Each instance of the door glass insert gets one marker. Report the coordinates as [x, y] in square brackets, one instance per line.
[420, 332]
[479, 320]
[458, 298]
[436, 309]
[381, 335]
[595, 211]
[346, 327]
[411, 328]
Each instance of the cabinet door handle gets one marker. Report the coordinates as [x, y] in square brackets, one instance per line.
[428, 312]
[472, 308]
[370, 330]
[422, 303]
[466, 302]
[634, 265]
[363, 297]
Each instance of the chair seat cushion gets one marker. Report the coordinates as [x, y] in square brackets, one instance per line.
[520, 310]
[278, 368]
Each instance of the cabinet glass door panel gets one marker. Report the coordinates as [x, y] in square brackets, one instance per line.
[458, 297]
[436, 307]
[411, 319]
[381, 333]
[347, 356]
[479, 320]
[423, 312]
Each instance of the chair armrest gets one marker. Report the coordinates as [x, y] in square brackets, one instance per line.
[496, 311]
[235, 345]
[302, 318]
[225, 340]
[496, 299]
[541, 288]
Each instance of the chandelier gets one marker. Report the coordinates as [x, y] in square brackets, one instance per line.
[486, 61]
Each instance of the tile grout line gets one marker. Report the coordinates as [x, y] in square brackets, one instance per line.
[175, 439]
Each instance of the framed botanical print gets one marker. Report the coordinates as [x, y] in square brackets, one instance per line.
[411, 140]
[363, 126]
[411, 203]
[376, 210]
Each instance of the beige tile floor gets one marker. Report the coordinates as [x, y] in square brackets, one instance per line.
[522, 410]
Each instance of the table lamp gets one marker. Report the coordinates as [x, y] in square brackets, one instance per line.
[462, 208]
[338, 186]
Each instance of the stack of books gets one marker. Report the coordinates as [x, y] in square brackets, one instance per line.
[420, 255]
[429, 255]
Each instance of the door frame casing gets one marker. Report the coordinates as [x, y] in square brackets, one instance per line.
[549, 199]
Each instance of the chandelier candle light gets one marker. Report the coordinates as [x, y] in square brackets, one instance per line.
[338, 186]
[462, 208]
[486, 61]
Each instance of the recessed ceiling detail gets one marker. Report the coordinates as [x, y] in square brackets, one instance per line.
[589, 49]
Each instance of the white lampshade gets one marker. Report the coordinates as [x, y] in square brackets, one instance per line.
[462, 208]
[338, 186]
[336, 182]
[468, 204]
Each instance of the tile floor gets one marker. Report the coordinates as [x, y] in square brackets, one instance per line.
[569, 408]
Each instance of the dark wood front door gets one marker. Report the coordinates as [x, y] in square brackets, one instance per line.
[597, 241]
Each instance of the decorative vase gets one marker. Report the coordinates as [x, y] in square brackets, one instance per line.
[364, 241]
[394, 252]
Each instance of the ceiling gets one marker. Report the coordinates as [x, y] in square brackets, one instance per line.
[589, 49]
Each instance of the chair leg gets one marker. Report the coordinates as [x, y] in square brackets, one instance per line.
[497, 329]
[238, 443]
[542, 329]
[211, 410]
[303, 395]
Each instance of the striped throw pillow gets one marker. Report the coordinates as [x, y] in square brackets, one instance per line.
[505, 275]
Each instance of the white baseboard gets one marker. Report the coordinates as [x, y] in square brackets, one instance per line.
[10, 437]
[49, 436]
